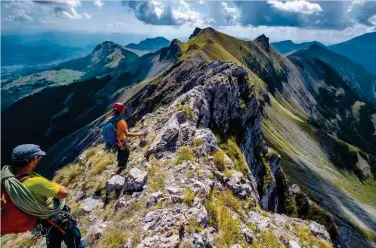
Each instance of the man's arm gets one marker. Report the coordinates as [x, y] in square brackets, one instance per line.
[63, 193]
[131, 134]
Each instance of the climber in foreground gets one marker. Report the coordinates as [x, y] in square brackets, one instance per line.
[30, 201]
[115, 134]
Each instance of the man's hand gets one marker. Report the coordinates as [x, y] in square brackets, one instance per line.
[63, 193]
[142, 134]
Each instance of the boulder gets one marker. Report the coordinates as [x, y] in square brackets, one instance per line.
[95, 231]
[294, 244]
[173, 190]
[153, 199]
[248, 235]
[89, 204]
[115, 186]
[136, 180]
[319, 231]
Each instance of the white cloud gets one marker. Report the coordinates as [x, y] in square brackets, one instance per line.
[161, 13]
[296, 6]
[70, 13]
[372, 20]
[20, 17]
[221, 14]
[98, 3]
[184, 13]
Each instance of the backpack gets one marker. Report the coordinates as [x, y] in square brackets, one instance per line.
[13, 220]
[109, 131]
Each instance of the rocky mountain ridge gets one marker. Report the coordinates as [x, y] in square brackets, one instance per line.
[239, 109]
[185, 187]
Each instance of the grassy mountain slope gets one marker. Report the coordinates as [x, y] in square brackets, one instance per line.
[13, 90]
[288, 46]
[291, 94]
[107, 57]
[359, 49]
[357, 77]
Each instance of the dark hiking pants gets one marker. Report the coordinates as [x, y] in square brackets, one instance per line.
[71, 238]
[122, 158]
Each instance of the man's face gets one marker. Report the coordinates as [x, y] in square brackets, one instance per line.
[36, 161]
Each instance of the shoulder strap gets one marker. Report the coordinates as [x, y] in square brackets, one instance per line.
[23, 177]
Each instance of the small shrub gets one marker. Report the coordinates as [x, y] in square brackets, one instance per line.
[112, 238]
[270, 239]
[219, 160]
[230, 232]
[198, 142]
[90, 152]
[186, 108]
[157, 181]
[185, 153]
[186, 244]
[212, 210]
[94, 184]
[267, 179]
[189, 196]
[305, 236]
[290, 205]
[68, 174]
[229, 146]
[228, 173]
[193, 225]
[99, 163]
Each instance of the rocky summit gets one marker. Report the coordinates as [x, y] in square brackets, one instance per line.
[244, 147]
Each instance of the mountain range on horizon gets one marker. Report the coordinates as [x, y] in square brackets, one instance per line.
[296, 124]
[357, 49]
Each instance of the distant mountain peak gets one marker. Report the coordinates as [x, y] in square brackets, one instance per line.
[150, 44]
[264, 41]
[172, 52]
[195, 32]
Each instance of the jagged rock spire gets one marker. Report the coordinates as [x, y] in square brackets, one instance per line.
[195, 32]
[263, 41]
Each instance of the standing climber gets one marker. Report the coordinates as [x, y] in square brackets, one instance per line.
[33, 201]
[116, 132]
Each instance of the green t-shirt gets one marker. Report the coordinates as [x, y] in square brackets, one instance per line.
[43, 189]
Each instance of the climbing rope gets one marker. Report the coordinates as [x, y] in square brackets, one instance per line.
[23, 198]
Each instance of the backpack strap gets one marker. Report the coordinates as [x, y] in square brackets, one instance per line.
[23, 177]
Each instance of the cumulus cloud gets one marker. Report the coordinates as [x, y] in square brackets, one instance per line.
[17, 11]
[320, 14]
[221, 14]
[160, 13]
[70, 13]
[66, 8]
[20, 17]
[372, 20]
[299, 6]
[362, 11]
[98, 3]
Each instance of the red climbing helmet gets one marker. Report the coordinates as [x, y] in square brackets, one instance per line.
[118, 107]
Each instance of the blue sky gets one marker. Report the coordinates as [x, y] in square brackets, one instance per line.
[298, 20]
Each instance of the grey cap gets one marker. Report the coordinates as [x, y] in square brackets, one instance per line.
[26, 152]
